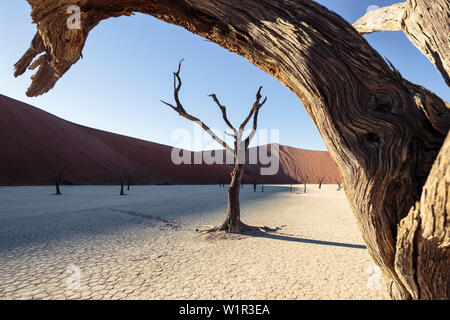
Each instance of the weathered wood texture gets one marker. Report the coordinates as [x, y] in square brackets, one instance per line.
[384, 19]
[423, 240]
[426, 23]
[383, 131]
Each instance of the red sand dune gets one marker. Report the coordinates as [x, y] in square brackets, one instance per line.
[35, 145]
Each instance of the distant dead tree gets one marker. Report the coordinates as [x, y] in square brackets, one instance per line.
[321, 180]
[255, 176]
[304, 182]
[233, 221]
[130, 178]
[57, 179]
[164, 183]
[122, 184]
[122, 180]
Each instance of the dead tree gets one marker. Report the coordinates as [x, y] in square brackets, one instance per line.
[122, 180]
[233, 221]
[122, 185]
[130, 178]
[57, 179]
[383, 132]
[305, 181]
[321, 180]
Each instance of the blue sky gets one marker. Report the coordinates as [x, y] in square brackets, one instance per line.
[127, 69]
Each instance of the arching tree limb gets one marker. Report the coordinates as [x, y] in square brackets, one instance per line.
[383, 131]
[424, 22]
[384, 19]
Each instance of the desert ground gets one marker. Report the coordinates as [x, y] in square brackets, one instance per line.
[92, 243]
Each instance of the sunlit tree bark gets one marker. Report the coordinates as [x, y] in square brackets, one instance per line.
[424, 22]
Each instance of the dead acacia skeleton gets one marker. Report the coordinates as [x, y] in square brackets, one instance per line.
[321, 180]
[233, 221]
[57, 179]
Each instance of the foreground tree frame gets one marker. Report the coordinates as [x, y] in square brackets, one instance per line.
[383, 132]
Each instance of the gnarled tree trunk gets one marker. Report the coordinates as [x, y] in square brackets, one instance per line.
[422, 258]
[383, 132]
[233, 221]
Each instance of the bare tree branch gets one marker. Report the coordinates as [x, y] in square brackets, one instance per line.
[256, 105]
[234, 135]
[224, 112]
[182, 112]
[253, 132]
[384, 19]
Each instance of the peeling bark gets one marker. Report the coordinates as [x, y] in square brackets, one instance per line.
[383, 132]
[424, 22]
